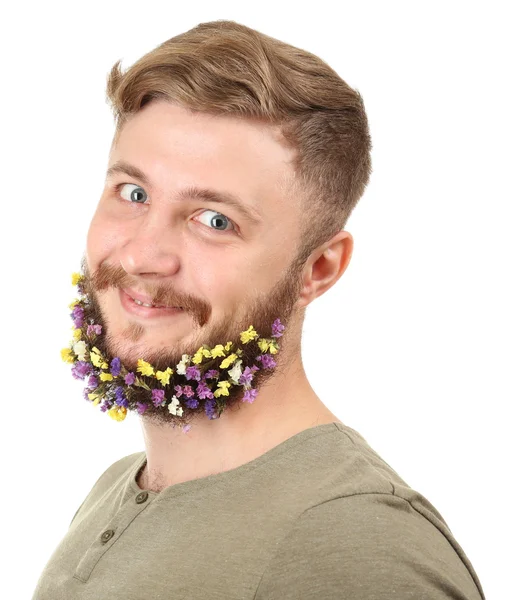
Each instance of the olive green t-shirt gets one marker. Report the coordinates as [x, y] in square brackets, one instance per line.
[320, 516]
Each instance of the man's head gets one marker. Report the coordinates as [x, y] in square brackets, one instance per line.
[235, 164]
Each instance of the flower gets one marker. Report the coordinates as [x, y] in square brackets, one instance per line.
[164, 376]
[145, 368]
[277, 328]
[267, 361]
[210, 409]
[93, 330]
[228, 361]
[118, 413]
[249, 395]
[193, 373]
[130, 378]
[67, 355]
[76, 278]
[77, 333]
[249, 335]
[181, 366]
[217, 351]
[235, 372]
[141, 407]
[116, 366]
[80, 349]
[106, 377]
[173, 407]
[158, 397]
[80, 369]
[200, 354]
[223, 389]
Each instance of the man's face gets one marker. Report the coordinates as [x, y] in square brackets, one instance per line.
[227, 269]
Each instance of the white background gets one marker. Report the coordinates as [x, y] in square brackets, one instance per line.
[413, 347]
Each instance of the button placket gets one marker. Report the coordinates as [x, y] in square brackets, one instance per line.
[104, 540]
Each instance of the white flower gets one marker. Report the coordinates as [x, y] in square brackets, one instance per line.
[181, 367]
[235, 372]
[172, 407]
[80, 349]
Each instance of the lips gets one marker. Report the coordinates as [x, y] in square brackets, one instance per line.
[146, 299]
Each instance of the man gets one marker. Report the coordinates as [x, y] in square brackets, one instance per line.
[235, 164]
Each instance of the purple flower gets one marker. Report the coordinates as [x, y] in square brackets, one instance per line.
[178, 391]
[94, 330]
[249, 395]
[121, 398]
[92, 381]
[130, 378]
[277, 328]
[80, 369]
[267, 361]
[158, 397]
[191, 403]
[210, 409]
[193, 373]
[78, 316]
[211, 374]
[203, 391]
[187, 390]
[141, 407]
[246, 377]
[116, 366]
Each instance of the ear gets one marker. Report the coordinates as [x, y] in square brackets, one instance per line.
[325, 266]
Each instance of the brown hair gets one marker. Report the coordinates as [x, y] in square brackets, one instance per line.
[223, 67]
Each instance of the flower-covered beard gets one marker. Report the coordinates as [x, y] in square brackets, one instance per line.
[168, 386]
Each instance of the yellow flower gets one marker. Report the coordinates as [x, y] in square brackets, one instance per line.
[118, 413]
[228, 361]
[218, 350]
[106, 377]
[200, 354]
[76, 277]
[95, 358]
[164, 376]
[67, 355]
[263, 344]
[92, 396]
[223, 389]
[274, 347]
[73, 304]
[249, 335]
[228, 346]
[145, 368]
[77, 334]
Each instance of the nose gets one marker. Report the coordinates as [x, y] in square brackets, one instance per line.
[150, 250]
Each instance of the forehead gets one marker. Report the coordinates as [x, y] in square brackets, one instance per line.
[177, 148]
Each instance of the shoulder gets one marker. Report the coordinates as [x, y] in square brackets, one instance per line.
[372, 545]
[120, 469]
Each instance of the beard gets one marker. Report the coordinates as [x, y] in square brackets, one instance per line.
[194, 387]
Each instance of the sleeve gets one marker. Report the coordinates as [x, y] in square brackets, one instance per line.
[368, 546]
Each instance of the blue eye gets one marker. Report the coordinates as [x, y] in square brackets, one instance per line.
[218, 220]
[137, 195]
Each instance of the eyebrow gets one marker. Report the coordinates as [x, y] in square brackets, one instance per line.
[191, 192]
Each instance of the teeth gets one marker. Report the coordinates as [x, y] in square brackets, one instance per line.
[142, 303]
[148, 305]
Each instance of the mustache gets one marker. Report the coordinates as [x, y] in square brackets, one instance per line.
[107, 276]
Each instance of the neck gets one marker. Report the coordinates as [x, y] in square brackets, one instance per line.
[284, 406]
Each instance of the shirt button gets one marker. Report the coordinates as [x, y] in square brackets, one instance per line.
[141, 497]
[107, 535]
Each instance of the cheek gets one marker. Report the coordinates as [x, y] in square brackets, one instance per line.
[101, 239]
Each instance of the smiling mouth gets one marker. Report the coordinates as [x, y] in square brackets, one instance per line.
[153, 305]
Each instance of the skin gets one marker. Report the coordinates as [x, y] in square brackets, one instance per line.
[171, 246]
